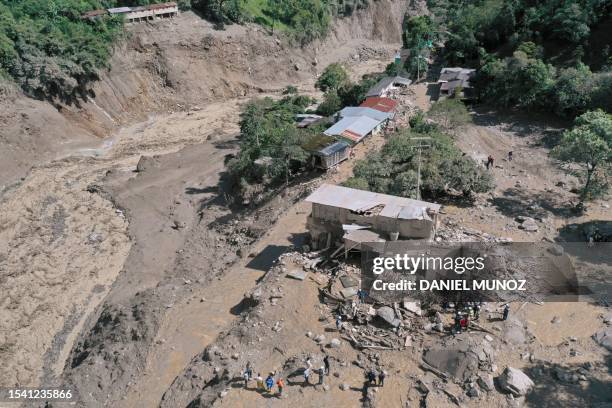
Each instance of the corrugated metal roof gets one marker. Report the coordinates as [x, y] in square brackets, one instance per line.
[381, 104]
[384, 83]
[119, 10]
[333, 148]
[457, 74]
[360, 200]
[364, 111]
[358, 125]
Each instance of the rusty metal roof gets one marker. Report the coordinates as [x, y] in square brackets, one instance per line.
[381, 104]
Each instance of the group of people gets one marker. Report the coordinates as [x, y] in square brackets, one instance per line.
[463, 314]
[372, 375]
[321, 371]
[491, 161]
[266, 385]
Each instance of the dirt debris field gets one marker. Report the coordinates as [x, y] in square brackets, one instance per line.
[130, 279]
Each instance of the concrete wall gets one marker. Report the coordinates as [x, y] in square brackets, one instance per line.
[325, 218]
[142, 15]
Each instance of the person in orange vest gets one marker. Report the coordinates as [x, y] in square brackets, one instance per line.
[281, 384]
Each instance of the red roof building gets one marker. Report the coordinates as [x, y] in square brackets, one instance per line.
[380, 104]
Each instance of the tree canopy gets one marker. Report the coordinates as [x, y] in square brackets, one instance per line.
[444, 168]
[49, 50]
[333, 77]
[550, 55]
[589, 144]
[271, 146]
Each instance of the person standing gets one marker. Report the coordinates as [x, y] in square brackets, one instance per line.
[381, 378]
[506, 311]
[281, 385]
[510, 155]
[476, 309]
[326, 363]
[308, 362]
[269, 382]
[249, 369]
[246, 379]
[372, 377]
[307, 376]
[260, 382]
[321, 373]
[338, 322]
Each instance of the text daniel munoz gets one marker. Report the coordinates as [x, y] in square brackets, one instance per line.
[460, 265]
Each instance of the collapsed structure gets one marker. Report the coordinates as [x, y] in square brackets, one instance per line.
[358, 216]
[386, 85]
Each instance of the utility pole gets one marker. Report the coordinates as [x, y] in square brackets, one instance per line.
[420, 148]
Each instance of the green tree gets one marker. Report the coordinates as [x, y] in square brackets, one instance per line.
[419, 32]
[450, 114]
[444, 168]
[331, 103]
[589, 144]
[220, 11]
[573, 90]
[50, 51]
[333, 77]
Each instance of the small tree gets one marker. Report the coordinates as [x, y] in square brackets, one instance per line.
[333, 77]
[589, 144]
[331, 104]
[450, 114]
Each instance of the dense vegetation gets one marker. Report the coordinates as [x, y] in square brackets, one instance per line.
[340, 91]
[445, 170]
[49, 50]
[589, 145]
[301, 20]
[271, 146]
[551, 55]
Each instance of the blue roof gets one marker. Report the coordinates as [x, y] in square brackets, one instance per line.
[333, 148]
[364, 111]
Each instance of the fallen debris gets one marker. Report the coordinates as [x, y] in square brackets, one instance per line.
[515, 381]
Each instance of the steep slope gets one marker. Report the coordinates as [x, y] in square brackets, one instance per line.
[170, 65]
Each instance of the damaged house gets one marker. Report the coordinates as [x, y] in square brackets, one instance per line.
[387, 84]
[456, 79]
[358, 216]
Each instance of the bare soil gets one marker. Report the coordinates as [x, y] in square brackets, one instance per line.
[123, 284]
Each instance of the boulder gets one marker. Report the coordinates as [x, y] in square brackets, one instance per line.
[485, 381]
[604, 338]
[474, 392]
[146, 162]
[335, 343]
[387, 314]
[413, 307]
[515, 381]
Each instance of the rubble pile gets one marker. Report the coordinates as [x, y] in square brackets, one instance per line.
[452, 231]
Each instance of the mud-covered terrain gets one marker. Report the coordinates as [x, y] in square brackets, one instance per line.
[93, 253]
[128, 276]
